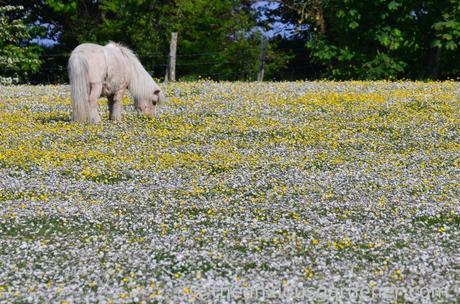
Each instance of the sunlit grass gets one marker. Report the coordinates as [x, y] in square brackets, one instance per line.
[294, 184]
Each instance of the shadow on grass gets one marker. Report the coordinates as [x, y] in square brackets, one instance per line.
[49, 119]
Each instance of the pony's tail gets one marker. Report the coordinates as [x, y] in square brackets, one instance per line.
[79, 86]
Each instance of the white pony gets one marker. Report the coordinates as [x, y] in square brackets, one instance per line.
[96, 70]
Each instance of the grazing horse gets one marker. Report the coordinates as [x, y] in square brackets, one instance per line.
[96, 70]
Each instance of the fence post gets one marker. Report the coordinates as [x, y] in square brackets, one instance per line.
[263, 48]
[171, 68]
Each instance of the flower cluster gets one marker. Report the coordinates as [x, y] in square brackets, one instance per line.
[292, 185]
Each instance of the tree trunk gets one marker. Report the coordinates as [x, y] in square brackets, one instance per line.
[436, 63]
[320, 21]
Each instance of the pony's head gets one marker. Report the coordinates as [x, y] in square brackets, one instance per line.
[147, 94]
[149, 103]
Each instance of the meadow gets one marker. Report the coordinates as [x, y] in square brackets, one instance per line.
[250, 192]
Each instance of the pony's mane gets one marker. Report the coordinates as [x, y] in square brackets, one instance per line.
[141, 84]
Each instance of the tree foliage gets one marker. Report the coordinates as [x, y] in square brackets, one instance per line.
[217, 39]
[356, 39]
[18, 56]
[338, 39]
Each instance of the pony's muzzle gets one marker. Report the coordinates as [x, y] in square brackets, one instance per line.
[148, 110]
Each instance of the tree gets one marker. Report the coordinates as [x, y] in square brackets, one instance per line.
[446, 39]
[381, 39]
[208, 33]
[18, 56]
[217, 39]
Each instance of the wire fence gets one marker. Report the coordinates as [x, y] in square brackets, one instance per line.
[189, 66]
[186, 69]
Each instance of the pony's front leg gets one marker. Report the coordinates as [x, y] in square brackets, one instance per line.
[155, 111]
[115, 106]
[96, 90]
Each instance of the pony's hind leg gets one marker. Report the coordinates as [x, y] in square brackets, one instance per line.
[96, 90]
[110, 105]
[115, 106]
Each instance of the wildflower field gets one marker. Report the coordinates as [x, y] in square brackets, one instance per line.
[255, 192]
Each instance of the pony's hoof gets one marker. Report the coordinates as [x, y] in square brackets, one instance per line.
[115, 118]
